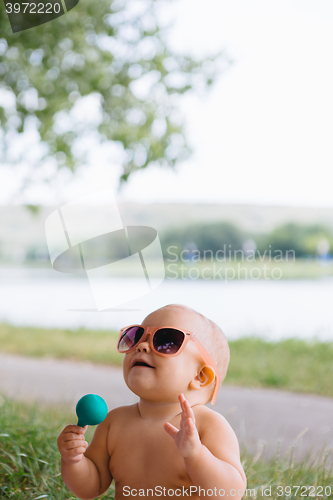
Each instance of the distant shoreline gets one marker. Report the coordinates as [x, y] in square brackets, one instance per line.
[261, 269]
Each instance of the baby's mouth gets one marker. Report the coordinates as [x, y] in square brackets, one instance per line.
[140, 362]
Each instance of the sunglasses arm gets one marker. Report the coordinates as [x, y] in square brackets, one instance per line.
[209, 361]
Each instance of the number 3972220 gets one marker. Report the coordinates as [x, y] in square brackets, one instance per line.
[33, 8]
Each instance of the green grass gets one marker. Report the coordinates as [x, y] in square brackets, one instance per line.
[98, 346]
[30, 461]
[293, 365]
[29, 457]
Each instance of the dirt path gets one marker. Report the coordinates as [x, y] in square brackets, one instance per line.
[260, 417]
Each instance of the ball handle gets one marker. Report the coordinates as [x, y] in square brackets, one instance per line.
[81, 423]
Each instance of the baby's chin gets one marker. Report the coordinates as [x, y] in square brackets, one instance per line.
[139, 384]
[151, 393]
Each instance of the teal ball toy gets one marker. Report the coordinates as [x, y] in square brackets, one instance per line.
[91, 410]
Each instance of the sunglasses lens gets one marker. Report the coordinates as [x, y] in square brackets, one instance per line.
[168, 340]
[130, 337]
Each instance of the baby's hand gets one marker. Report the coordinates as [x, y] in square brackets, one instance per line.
[71, 443]
[187, 437]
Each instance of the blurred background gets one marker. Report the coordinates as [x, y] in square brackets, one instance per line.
[211, 122]
[213, 125]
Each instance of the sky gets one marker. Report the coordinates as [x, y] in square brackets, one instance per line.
[263, 134]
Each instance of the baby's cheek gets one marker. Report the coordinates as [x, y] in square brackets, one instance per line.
[126, 367]
[127, 361]
[177, 376]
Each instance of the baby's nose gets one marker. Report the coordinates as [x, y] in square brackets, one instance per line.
[143, 347]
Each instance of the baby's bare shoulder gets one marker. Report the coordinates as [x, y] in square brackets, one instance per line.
[218, 436]
[202, 412]
[210, 422]
[121, 414]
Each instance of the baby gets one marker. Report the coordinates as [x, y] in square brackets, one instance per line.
[169, 443]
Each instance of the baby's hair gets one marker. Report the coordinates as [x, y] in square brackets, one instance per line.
[212, 338]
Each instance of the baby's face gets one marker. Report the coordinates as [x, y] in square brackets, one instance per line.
[167, 377]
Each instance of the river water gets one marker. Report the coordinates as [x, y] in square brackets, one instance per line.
[269, 309]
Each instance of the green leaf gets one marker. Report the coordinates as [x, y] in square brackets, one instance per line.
[115, 56]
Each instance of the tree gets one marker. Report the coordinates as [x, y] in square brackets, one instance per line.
[300, 238]
[213, 237]
[114, 51]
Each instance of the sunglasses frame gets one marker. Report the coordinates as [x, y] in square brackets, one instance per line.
[151, 330]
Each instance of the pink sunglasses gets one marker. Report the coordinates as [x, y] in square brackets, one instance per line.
[164, 341]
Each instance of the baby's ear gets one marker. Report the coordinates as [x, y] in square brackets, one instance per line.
[204, 378]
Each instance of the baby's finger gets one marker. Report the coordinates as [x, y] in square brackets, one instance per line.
[182, 400]
[76, 451]
[70, 445]
[171, 429]
[75, 428]
[70, 436]
[189, 412]
[191, 427]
